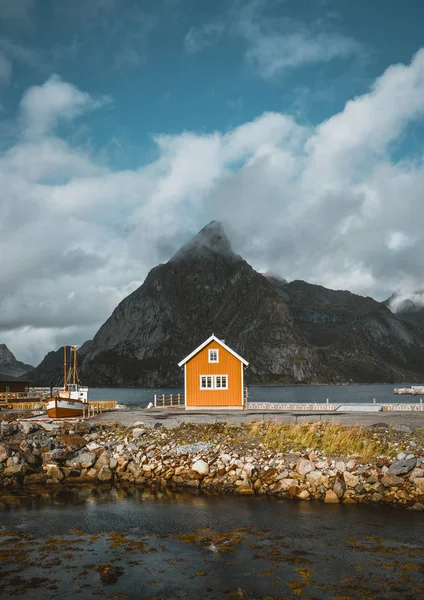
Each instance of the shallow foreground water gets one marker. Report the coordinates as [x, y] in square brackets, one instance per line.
[99, 542]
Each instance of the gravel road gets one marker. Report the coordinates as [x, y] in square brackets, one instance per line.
[173, 418]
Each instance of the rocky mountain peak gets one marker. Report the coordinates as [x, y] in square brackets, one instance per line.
[9, 366]
[211, 240]
[5, 354]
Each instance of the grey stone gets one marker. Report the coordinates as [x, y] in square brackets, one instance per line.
[316, 478]
[104, 474]
[339, 487]
[388, 480]
[402, 428]
[103, 459]
[304, 466]
[138, 432]
[82, 427]
[351, 480]
[196, 448]
[28, 428]
[86, 459]
[283, 485]
[401, 467]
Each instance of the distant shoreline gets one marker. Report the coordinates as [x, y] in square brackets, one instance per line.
[265, 385]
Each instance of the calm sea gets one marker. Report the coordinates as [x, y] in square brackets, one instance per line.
[342, 394]
[171, 546]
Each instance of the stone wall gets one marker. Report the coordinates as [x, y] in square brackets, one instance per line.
[80, 453]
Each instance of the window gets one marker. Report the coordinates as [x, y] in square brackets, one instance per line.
[214, 382]
[221, 382]
[213, 356]
[206, 382]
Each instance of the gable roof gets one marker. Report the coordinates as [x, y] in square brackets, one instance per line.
[208, 341]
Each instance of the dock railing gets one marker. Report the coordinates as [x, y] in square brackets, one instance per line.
[97, 407]
[163, 400]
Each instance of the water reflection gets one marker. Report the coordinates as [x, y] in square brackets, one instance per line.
[175, 545]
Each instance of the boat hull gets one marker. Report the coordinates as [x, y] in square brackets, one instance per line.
[61, 408]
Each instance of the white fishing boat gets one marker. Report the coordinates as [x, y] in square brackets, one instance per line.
[73, 397]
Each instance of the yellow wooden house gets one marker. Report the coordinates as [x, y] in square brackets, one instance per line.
[214, 377]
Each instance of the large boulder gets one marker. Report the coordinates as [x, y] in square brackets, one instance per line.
[105, 474]
[54, 472]
[82, 427]
[351, 480]
[12, 470]
[317, 478]
[304, 466]
[388, 480]
[86, 459]
[331, 497]
[245, 488]
[283, 485]
[201, 467]
[339, 487]
[103, 459]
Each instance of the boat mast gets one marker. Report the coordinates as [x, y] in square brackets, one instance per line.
[65, 383]
[75, 363]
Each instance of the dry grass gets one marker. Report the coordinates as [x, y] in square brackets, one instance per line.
[331, 440]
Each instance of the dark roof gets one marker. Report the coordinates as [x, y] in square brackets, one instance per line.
[9, 379]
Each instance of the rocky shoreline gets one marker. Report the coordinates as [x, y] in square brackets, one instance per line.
[214, 458]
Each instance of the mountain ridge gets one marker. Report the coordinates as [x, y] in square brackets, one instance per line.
[10, 366]
[289, 332]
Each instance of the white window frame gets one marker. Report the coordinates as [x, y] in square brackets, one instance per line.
[213, 379]
[217, 355]
[221, 387]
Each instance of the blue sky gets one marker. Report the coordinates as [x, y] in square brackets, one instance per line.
[131, 124]
[174, 65]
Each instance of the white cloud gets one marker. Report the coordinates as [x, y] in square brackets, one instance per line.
[42, 107]
[198, 38]
[273, 45]
[403, 298]
[274, 53]
[397, 240]
[327, 204]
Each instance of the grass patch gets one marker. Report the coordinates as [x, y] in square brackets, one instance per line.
[328, 438]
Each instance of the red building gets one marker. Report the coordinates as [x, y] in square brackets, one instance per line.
[13, 386]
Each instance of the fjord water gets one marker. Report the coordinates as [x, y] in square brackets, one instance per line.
[170, 546]
[343, 394]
